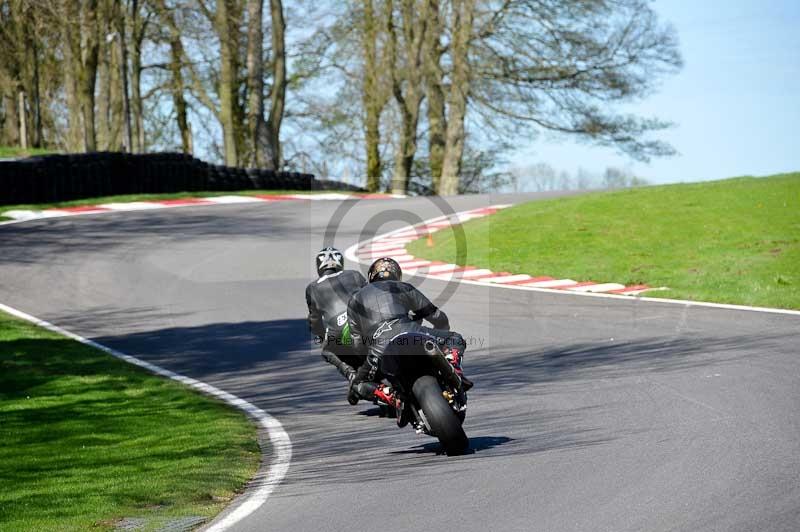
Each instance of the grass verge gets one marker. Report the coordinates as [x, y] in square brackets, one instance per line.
[12, 151]
[149, 197]
[89, 440]
[731, 241]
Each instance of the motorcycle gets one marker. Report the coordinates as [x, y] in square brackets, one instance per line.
[426, 391]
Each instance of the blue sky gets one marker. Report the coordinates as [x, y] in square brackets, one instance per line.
[735, 104]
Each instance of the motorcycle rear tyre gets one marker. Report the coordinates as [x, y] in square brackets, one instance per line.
[444, 422]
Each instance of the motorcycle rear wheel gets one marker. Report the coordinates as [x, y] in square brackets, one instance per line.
[444, 422]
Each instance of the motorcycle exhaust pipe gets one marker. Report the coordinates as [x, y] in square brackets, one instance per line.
[440, 363]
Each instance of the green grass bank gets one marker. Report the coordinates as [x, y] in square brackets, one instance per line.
[88, 440]
[730, 241]
[12, 151]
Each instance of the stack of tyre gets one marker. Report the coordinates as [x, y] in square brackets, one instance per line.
[54, 178]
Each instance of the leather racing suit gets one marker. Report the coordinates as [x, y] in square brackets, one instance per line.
[384, 309]
[327, 299]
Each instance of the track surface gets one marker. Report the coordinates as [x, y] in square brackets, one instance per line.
[588, 414]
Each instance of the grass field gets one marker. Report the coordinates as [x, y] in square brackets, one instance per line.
[730, 241]
[146, 197]
[88, 440]
[8, 152]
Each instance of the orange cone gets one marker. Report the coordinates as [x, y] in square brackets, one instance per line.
[429, 241]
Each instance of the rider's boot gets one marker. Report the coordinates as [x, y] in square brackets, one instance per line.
[362, 390]
[345, 369]
[352, 396]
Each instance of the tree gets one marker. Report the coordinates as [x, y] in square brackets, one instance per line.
[225, 22]
[265, 134]
[621, 178]
[279, 82]
[406, 71]
[434, 91]
[561, 66]
[138, 31]
[479, 172]
[109, 106]
[461, 27]
[30, 39]
[229, 81]
[120, 17]
[583, 179]
[177, 84]
[433, 85]
[86, 48]
[374, 96]
[255, 80]
[520, 66]
[12, 37]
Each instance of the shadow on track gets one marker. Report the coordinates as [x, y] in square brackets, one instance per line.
[276, 365]
[34, 241]
[544, 364]
[479, 443]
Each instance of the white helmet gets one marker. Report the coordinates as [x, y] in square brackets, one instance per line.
[329, 259]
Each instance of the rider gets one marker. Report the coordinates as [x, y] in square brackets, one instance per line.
[327, 310]
[386, 308]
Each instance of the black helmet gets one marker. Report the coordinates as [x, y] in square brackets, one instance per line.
[329, 260]
[384, 269]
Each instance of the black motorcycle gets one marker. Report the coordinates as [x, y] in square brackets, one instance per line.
[426, 391]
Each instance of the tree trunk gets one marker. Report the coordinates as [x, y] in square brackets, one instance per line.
[23, 122]
[178, 99]
[72, 66]
[463, 11]
[35, 90]
[255, 82]
[38, 133]
[103, 89]
[19, 33]
[372, 140]
[87, 76]
[227, 83]
[137, 108]
[406, 149]
[120, 16]
[278, 92]
[434, 79]
[115, 106]
[178, 87]
[410, 99]
[11, 123]
[371, 98]
[137, 111]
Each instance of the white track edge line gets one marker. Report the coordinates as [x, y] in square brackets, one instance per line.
[350, 254]
[155, 205]
[281, 443]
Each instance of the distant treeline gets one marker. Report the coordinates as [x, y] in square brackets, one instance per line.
[428, 93]
[543, 177]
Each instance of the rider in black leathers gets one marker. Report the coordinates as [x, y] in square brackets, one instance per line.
[327, 310]
[386, 308]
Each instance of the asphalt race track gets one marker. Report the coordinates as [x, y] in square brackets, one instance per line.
[589, 414]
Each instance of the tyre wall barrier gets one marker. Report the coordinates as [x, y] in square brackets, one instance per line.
[63, 177]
